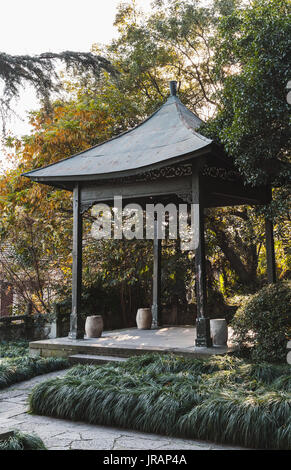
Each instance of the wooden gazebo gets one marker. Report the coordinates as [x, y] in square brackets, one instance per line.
[164, 159]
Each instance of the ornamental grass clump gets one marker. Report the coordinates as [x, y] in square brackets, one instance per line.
[22, 441]
[13, 370]
[13, 348]
[222, 399]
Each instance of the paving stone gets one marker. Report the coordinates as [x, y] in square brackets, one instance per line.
[147, 436]
[10, 422]
[41, 420]
[70, 435]
[174, 445]
[226, 447]
[21, 399]
[29, 384]
[94, 444]
[11, 394]
[59, 448]
[11, 410]
[57, 442]
[6, 406]
[45, 432]
[98, 431]
[42, 434]
[50, 433]
[136, 444]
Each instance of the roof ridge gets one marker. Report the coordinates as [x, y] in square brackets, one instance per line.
[200, 136]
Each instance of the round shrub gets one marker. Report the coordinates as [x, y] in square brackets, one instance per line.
[263, 323]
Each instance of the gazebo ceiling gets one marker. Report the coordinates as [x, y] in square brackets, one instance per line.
[164, 138]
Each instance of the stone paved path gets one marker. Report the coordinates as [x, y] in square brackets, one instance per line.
[60, 434]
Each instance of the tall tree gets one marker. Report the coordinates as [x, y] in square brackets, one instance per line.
[227, 67]
[40, 72]
[251, 60]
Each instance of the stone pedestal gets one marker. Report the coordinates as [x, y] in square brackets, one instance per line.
[219, 332]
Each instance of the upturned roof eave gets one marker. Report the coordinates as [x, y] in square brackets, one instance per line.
[67, 182]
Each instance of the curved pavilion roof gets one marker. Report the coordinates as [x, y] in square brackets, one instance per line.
[168, 138]
[163, 138]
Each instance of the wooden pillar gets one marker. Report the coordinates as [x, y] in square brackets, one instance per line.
[271, 262]
[203, 338]
[76, 323]
[156, 307]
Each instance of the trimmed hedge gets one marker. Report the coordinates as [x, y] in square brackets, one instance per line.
[221, 399]
[263, 323]
[22, 441]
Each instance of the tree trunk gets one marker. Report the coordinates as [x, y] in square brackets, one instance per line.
[246, 274]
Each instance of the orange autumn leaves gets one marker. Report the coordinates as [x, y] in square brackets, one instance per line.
[35, 218]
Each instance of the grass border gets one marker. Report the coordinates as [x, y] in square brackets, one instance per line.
[221, 399]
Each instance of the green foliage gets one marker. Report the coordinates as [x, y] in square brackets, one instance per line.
[253, 123]
[23, 368]
[222, 399]
[123, 281]
[264, 323]
[13, 348]
[22, 441]
[40, 72]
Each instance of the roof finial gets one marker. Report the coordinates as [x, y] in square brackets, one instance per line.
[173, 87]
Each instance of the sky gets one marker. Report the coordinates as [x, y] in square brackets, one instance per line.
[35, 26]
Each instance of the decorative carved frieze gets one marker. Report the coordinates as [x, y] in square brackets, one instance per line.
[220, 173]
[160, 175]
[152, 175]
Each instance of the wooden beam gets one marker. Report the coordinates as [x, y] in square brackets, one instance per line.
[203, 338]
[76, 322]
[223, 193]
[270, 250]
[217, 193]
[133, 191]
[156, 307]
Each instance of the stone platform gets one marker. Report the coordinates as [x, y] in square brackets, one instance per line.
[130, 342]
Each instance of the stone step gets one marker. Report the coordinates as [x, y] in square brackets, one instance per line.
[93, 359]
